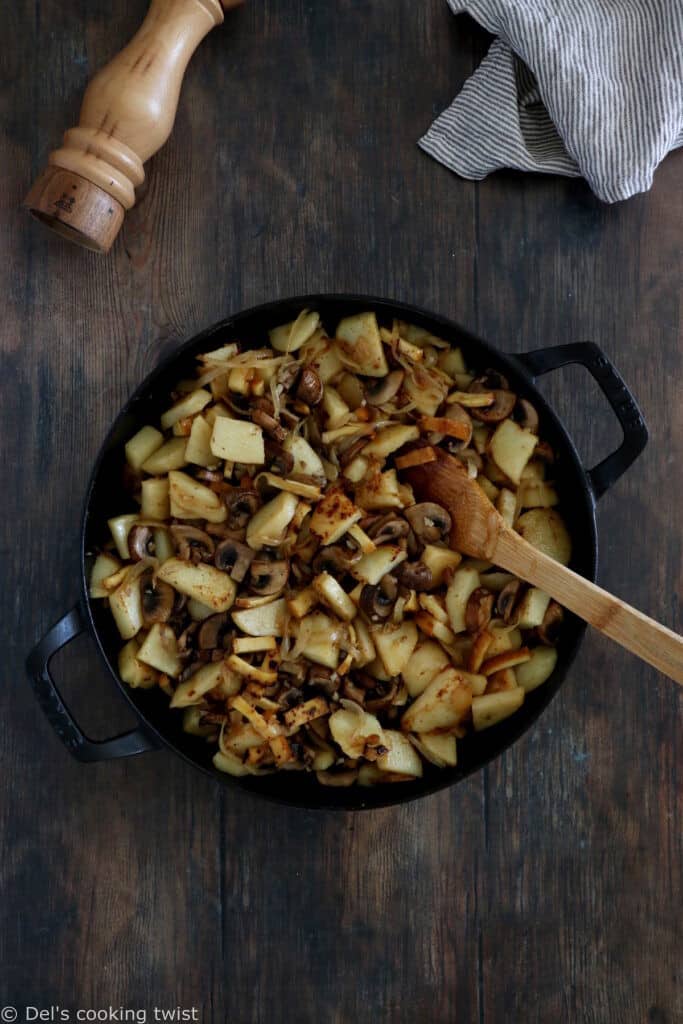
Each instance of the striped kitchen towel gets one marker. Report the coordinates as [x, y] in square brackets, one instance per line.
[590, 88]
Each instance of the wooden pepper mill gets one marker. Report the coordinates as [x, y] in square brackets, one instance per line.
[128, 112]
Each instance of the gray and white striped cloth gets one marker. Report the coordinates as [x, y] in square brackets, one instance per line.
[590, 88]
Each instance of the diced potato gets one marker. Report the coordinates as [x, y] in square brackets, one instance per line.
[373, 566]
[511, 447]
[504, 638]
[306, 460]
[266, 620]
[189, 405]
[350, 389]
[334, 596]
[451, 362]
[290, 337]
[395, 644]
[497, 682]
[424, 664]
[366, 651]
[219, 355]
[217, 411]
[104, 566]
[333, 516]
[302, 602]
[537, 494]
[170, 456]
[401, 757]
[532, 608]
[465, 581]
[193, 689]
[439, 560]
[544, 529]
[438, 748]
[132, 670]
[426, 388]
[494, 707]
[163, 546]
[155, 500]
[495, 581]
[203, 582]
[198, 449]
[160, 650]
[198, 611]
[389, 439]
[237, 441]
[380, 490]
[120, 527]
[356, 469]
[241, 379]
[125, 602]
[489, 489]
[267, 527]
[192, 723]
[318, 639]
[320, 354]
[538, 669]
[352, 727]
[359, 340]
[506, 504]
[191, 500]
[142, 445]
[442, 706]
[335, 407]
[240, 738]
[231, 764]
[377, 670]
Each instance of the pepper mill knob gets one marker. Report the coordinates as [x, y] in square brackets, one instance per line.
[128, 112]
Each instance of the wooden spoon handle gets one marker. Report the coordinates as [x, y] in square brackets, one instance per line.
[649, 640]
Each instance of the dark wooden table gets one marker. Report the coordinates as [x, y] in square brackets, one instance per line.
[546, 888]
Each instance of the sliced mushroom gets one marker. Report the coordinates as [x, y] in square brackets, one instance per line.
[381, 696]
[287, 375]
[269, 424]
[489, 380]
[478, 610]
[544, 452]
[187, 641]
[268, 576]
[388, 529]
[336, 559]
[378, 601]
[140, 543]
[549, 629]
[415, 575]
[294, 670]
[324, 679]
[241, 506]
[459, 415]
[310, 387]
[351, 690]
[504, 403]
[430, 521]
[281, 462]
[212, 632]
[508, 600]
[526, 415]
[385, 389]
[158, 600]
[192, 544]
[234, 558]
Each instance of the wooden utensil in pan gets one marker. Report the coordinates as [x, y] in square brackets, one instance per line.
[128, 112]
[480, 531]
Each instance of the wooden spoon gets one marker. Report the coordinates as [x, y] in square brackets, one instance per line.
[480, 531]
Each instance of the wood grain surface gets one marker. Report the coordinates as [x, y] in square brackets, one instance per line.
[545, 888]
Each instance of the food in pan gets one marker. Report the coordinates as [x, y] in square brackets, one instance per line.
[281, 584]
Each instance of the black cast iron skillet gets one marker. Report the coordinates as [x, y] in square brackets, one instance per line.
[158, 726]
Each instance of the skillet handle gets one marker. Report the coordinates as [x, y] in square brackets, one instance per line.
[624, 405]
[81, 747]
